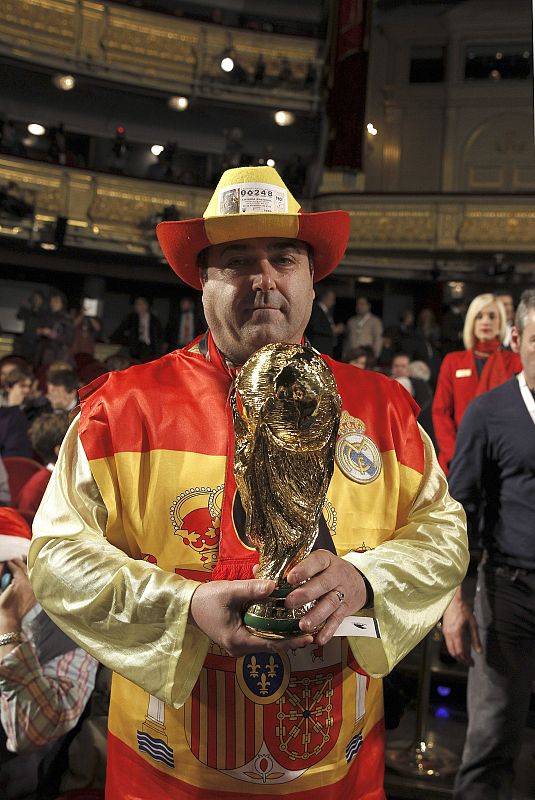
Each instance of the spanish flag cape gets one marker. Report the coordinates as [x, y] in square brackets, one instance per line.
[303, 725]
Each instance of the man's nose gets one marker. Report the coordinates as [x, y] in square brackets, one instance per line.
[264, 278]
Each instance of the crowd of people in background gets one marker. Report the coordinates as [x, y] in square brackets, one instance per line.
[439, 362]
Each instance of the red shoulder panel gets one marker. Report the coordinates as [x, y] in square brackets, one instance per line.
[174, 403]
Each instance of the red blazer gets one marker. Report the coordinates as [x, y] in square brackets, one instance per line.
[458, 383]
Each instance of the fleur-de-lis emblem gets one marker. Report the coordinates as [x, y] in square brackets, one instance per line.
[253, 666]
[272, 667]
[264, 684]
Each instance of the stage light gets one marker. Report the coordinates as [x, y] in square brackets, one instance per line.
[36, 129]
[156, 149]
[284, 118]
[270, 162]
[227, 64]
[444, 691]
[178, 103]
[64, 82]
[442, 713]
[364, 279]
[372, 130]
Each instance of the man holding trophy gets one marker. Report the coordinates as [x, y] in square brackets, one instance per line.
[249, 534]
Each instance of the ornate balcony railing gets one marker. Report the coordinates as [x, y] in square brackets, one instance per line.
[118, 214]
[167, 54]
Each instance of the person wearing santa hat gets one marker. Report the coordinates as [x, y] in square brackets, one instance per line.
[45, 680]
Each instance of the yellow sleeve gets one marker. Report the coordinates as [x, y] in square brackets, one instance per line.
[414, 575]
[131, 615]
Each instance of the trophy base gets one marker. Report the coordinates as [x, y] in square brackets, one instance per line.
[270, 619]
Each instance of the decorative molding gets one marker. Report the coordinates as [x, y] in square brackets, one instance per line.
[498, 228]
[437, 223]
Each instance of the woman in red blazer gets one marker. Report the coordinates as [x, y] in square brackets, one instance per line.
[471, 372]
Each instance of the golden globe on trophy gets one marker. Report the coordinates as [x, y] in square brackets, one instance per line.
[286, 410]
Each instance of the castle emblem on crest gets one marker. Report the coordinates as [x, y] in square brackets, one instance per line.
[357, 455]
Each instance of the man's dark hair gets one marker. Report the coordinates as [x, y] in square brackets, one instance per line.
[147, 300]
[323, 289]
[46, 433]
[63, 377]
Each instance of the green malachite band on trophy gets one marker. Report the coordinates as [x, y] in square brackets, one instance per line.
[282, 591]
[283, 626]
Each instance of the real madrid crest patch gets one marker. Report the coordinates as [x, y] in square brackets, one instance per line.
[356, 455]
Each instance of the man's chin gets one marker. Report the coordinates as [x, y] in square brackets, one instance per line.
[259, 335]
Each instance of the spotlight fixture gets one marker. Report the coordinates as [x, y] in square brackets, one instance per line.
[64, 82]
[36, 129]
[178, 103]
[364, 279]
[270, 162]
[156, 149]
[284, 118]
[227, 62]
[372, 130]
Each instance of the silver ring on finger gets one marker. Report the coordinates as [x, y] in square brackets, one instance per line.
[340, 595]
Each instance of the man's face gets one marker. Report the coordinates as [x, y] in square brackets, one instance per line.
[400, 367]
[525, 346]
[329, 299]
[256, 292]
[56, 303]
[362, 305]
[140, 305]
[507, 302]
[59, 397]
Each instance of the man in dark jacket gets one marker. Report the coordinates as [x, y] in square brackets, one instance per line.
[141, 331]
[322, 331]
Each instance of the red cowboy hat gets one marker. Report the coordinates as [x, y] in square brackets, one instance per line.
[251, 202]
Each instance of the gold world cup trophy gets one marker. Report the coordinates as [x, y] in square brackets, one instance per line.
[286, 410]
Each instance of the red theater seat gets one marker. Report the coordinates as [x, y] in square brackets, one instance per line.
[19, 471]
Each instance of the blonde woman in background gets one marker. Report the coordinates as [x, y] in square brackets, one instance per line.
[467, 373]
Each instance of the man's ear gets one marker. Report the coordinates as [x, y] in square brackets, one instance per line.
[515, 339]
